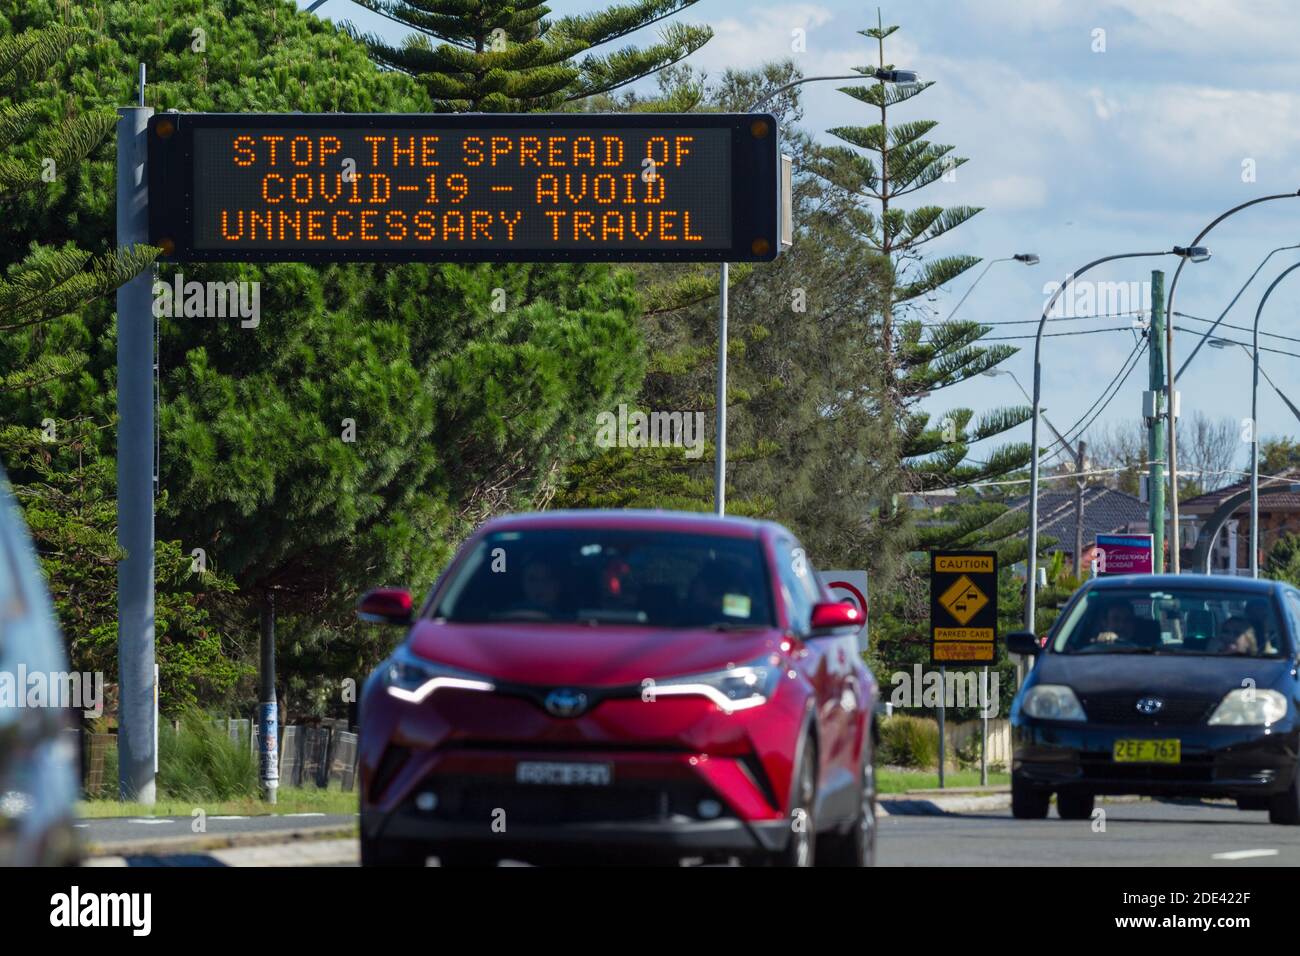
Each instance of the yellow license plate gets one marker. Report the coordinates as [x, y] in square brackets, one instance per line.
[1148, 751]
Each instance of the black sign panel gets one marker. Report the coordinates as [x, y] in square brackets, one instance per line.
[963, 607]
[545, 187]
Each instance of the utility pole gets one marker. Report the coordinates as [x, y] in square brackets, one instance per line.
[137, 737]
[1155, 410]
[1080, 449]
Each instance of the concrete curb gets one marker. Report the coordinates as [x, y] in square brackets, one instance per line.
[971, 800]
[325, 852]
[204, 842]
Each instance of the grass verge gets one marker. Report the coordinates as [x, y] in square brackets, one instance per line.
[900, 781]
[290, 800]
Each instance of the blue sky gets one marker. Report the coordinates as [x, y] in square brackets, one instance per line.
[1075, 154]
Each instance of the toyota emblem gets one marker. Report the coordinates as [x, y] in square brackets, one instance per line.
[564, 702]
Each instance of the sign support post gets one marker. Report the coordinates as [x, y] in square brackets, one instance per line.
[137, 720]
[984, 729]
[963, 629]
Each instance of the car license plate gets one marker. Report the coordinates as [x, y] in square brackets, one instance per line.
[1148, 751]
[550, 773]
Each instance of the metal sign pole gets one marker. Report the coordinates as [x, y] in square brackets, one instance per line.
[137, 721]
[943, 686]
[984, 730]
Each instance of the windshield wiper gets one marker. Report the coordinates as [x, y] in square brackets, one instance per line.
[1115, 649]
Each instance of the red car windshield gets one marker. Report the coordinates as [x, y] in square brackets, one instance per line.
[602, 576]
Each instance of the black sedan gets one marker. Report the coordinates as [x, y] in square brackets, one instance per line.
[1174, 685]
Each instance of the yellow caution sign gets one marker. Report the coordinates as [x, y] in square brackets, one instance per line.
[963, 600]
[963, 607]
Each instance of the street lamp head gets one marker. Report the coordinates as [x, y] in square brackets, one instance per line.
[994, 372]
[1194, 253]
[896, 76]
[1028, 258]
[1218, 343]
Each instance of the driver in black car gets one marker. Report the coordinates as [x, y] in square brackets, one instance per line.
[1118, 625]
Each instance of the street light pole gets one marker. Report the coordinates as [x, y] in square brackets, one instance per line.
[720, 457]
[1206, 338]
[1031, 582]
[1254, 428]
[1174, 542]
[1028, 258]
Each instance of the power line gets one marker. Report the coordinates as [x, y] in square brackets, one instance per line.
[1053, 319]
[1239, 328]
[1048, 335]
[1125, 369]
[1262, 348]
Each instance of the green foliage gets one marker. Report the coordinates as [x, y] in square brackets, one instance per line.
[502, 56]
[1283, 560]
[907, 741]
[1277, 455]
[68, 503]
[199, 761]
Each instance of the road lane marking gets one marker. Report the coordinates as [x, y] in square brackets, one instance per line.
[228, 818]
[302, 814]
[1243, 854]
[152, 820]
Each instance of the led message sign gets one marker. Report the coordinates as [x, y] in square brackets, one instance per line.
[233, 187]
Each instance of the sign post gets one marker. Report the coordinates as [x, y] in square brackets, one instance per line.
[137, 712]
[963, 626]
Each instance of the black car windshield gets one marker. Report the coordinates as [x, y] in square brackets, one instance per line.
[1200, 621]
[602, 576]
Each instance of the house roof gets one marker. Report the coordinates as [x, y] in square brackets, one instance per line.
[1105, 511]
[1279, 501]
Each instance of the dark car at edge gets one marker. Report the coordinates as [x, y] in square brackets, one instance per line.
[1162, 685]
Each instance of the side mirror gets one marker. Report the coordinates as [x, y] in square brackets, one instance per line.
[1024, 643]
[829, 618]
[385, 606]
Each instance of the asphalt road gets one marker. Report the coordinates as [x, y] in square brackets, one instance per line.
[1137, 834]
[1145, 833]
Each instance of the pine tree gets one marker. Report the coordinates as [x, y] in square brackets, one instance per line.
[504, 56]
[39, 283]
[923, 357]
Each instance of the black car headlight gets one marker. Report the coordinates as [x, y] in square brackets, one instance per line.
[1249, 707]
[411, 678]
[1052, 702]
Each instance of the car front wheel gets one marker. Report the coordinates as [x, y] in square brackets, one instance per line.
[1074, 806]
[1028, 803]
[801, 848]
[1284, 808]
[856, 846]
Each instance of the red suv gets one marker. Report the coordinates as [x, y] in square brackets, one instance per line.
[614, 685]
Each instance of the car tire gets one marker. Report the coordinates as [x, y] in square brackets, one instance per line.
[376, 851]
[1028, 803]
[857, 845]
[801, 848]
[1284, 808]
[1074, 806]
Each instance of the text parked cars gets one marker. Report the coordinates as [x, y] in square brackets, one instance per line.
[1162, 685]
[613, 685]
